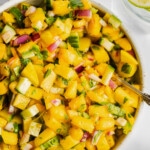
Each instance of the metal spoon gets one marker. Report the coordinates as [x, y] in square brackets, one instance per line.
[144, 96]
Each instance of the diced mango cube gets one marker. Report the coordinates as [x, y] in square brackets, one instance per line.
[34, 93]
[78, 103]
[94, 26]
[30, 72]
[47, 37]
[84, 44]
[100, 54]
[83, 123]
[65, 71]
[59, 112]
[61, 7]
[65, 56]
[48, 80]
[3, 50]
[71, 90]
[44, 136]
[21, 101]
[124, 43]
[3, 122]
[105, 123]
[68, 142]
[37, 18]
[101, 111]
[103, 143]
[10, 138]
[8, 17]
[76, 133]
[58, 27]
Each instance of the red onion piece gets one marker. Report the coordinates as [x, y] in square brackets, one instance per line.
[83, 13]
[35, 36]
[25, 138]
[132, 53]
[86, 135]
[109, 133]
[112, 84]
[56, 102]
[21, 40]
[54, 45]
[91, 58]
[27, 146]
[79, 68]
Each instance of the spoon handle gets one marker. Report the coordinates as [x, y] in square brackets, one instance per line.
[144, 96]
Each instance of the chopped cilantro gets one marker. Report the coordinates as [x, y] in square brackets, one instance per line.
[95, 47]
[117, 47]
[48, 72]
[16, 12]
[45, 54]
[76, 3]
[125, 100]
[50, 20]
[115, 110]
[92, 83]
[51, 142]
[126, 68]
[16, 128]
[127, 128]
[37, 52]
[82, 107]
[129, 115]
[85, 115]
[65, 81]
[25, 61]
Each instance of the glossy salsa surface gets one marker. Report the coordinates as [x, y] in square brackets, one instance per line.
[58, 65]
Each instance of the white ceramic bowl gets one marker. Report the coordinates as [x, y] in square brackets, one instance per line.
[11, 3]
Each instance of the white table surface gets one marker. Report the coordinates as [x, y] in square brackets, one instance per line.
[139, 31]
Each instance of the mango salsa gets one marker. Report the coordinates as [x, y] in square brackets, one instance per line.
[58, 63]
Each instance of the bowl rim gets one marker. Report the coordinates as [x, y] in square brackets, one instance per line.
[98, 5]
[125, 30]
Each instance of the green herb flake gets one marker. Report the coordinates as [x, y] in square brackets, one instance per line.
[25, 61]
[82, 107]
[33, 92]
[45, 54]
[16, 128]
[96, 137]
[48, 72]
[76, 3]
[95, 47]
[115, 110]
[129, 115]
[126, 68]
[85, 115]
[50, 143]
[65, 81]
[16, 12]
[125, 100]
[50, 20]
[37, 52]
[92, 83]
[127, 128]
